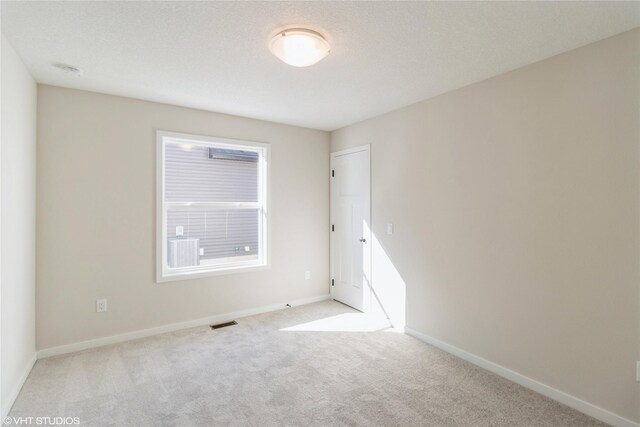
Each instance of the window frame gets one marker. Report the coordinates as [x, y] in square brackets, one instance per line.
[264, 205]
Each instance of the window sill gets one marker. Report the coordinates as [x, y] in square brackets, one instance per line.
[162, 278]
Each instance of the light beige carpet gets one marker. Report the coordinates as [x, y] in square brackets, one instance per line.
[315, 365]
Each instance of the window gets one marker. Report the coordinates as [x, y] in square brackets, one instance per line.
[212, 205]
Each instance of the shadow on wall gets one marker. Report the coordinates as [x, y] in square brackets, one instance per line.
[386, 308]
[389, 293]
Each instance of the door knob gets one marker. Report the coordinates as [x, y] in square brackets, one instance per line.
[363, 240]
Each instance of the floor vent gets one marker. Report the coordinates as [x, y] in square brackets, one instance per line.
[224, 325]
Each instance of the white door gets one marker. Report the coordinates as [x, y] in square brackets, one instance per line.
[351, 227]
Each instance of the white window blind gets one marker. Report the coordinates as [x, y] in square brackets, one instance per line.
[213, 205]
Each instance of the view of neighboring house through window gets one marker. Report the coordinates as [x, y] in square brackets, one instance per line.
[212, 203]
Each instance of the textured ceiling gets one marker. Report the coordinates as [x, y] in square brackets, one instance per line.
[215, 56]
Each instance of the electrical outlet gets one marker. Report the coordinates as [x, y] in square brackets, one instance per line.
[638, 371]
[201, 251]
[307, 275]
[389, 228]
[101, 305]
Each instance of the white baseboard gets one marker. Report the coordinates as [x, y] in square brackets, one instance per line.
[99, 342]
[10, 400]
[548, 391]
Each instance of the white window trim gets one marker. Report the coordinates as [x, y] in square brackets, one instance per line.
[263, 263]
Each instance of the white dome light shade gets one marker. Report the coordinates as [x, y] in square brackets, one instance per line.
[299, 47]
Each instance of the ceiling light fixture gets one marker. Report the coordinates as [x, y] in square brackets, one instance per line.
[299, 47]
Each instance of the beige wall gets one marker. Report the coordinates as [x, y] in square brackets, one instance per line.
[18, 224]
[516, 210]
[96, 217]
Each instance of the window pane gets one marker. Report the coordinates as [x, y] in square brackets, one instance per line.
[195, 173]
[216, 233]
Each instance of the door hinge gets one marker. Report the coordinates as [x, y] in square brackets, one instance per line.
[333, 227]
[332, 282]
[333, 172]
